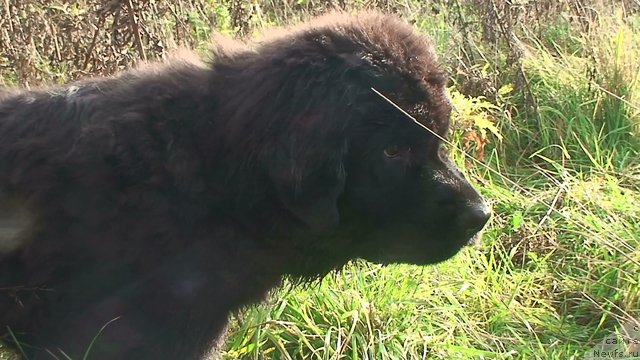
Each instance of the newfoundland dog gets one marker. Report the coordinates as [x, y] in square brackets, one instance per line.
[138, 211]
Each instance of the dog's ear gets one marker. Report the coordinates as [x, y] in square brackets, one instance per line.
[306, 167]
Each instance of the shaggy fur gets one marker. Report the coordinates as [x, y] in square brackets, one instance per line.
[158, 201]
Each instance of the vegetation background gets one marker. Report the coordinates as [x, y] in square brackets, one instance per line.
[547, 123]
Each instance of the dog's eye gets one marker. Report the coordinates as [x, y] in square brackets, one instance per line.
[392, 151]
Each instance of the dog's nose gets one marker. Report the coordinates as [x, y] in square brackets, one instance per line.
[474, 217]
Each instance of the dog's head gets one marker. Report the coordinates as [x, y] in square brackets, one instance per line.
[346, 160]
[411, 203]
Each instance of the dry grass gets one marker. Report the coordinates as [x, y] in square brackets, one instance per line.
[45, 41]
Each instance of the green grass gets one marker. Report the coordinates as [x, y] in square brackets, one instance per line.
[556, 151]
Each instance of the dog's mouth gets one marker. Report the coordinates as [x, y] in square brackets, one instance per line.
[474, 239]
[415, 249]
[413, 257]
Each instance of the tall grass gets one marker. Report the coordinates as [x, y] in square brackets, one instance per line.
[587, 109]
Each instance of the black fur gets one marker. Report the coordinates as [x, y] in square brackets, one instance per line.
[167, 197]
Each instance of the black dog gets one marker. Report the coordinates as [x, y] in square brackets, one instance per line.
[152, 204]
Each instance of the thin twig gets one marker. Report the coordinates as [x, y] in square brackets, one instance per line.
[552, 206]
[136, 30]
[87, 56]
